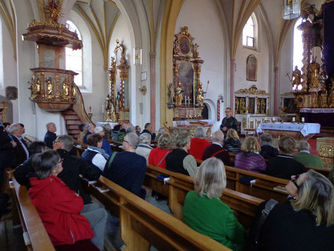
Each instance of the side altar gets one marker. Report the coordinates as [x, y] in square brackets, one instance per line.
[186, 94]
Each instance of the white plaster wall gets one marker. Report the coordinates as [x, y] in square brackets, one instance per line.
[262, 55]
[204, 24]
[8, 71]
[285, 63]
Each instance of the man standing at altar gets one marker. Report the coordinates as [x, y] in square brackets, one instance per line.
[229, 121]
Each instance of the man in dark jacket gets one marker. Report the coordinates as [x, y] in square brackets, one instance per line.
[21, 152]
[50, 135]
[149, 129]
[229, 121]
[216, 148]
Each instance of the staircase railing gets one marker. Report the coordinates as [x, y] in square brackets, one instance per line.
[79, 106]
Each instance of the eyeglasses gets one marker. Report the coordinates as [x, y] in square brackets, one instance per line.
[126, 141]
[294, 180]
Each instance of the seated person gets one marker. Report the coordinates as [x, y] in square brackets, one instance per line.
[306, 222]
[249, 158]
[306, 158]
[144, 148]
[57, 205]
[198, 143]
[127, 168]
[6, 125]
[20, 151]
[115, 131]
[105, 145]
[179, 160]
[161, 131]
[158, 155]
[232, 142]
[90, 128]
[149, 129]
[284, 165]
[216, 148]
[50, 135]
[7, 146]
[205, 212]
[25, 171]
[94, 154]
[83, 131]
[138, 130]
[267, 150]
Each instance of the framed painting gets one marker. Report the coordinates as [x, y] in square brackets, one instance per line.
[251, 68]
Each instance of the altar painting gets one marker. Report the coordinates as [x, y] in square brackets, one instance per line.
[186, 77]
[251, 68]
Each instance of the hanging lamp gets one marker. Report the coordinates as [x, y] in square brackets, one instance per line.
[291, 9]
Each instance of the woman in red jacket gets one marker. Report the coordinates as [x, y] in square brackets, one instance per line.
[57, 205]
[198, 143]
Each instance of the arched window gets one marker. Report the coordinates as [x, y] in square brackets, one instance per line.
[73, 59]
[297, 46]
[248, 33]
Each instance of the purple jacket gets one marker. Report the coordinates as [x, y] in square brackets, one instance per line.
[250, 161]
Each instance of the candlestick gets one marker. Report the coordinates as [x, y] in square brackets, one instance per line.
[303, 119]
[293, 119]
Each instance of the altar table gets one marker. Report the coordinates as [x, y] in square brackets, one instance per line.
[296, 130]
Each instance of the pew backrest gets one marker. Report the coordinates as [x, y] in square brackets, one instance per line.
[142, 224]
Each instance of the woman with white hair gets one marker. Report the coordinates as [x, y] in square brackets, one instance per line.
[198, 143]
[144, 147]
[206, 213]
[306, 222]
[105, 145]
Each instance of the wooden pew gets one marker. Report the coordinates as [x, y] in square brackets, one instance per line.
[143, 225]
[323, 171]
[179, 185]
[34, 233]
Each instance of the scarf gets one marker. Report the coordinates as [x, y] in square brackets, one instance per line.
[100, 150]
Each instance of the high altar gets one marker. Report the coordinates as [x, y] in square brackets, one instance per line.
[313, 85]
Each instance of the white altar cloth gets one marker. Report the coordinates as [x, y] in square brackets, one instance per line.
[304, 128]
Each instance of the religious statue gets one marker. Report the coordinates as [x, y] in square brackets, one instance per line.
[243, 108]
[195, 51]
[331, 98]
[178, 94]
[263, 106]
[313, 73]
[171, 95]
[237, 106]
[296, 78]
[36, 87]
[66, 90]
[200, 94]
[119, 102]
[49, 88]
[258, 105]
[110, 110]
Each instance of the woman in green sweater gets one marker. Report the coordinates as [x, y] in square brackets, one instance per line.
[206, 213]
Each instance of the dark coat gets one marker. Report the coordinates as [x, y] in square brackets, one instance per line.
[127, 170]
[217, 151]
[232, 145]
[174, 161]
[230, 122]
[6, 152]
[152, 134]
[49, 138]
[288, 229]
[72, 168]
[19, 153]
[268, 151]
[284, 166]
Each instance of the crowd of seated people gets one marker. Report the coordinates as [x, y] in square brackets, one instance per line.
[174, 153]
[267, 149]
[105, 145]
[305, 157]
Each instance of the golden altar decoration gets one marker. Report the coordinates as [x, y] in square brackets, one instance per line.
[185, 94]
[117, 101]
[52, 88]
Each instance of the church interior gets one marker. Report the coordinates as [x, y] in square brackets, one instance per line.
[170, 65]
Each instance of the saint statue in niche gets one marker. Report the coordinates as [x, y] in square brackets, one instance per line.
[251, 68]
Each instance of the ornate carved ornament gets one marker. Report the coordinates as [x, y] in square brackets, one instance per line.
[183, 48]
[252, 91]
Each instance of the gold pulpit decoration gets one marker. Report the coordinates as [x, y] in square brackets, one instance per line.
[117, 101]
[52, 88]
[185, 96]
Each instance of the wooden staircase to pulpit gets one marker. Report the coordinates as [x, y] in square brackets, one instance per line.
[76, 115]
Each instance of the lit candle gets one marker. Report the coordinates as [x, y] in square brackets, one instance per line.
[303, 119]
[293, 119]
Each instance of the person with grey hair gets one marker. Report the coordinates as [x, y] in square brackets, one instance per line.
[158, 155]
[267, 150]
[205, 212]
[91, 128]
[20, 152]
[105, 145]
[54, 201]
[127, 168]
[306, 158]
[50, 135]
[216, 148]
[179, 160]
[198, 143]
[144, 147]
